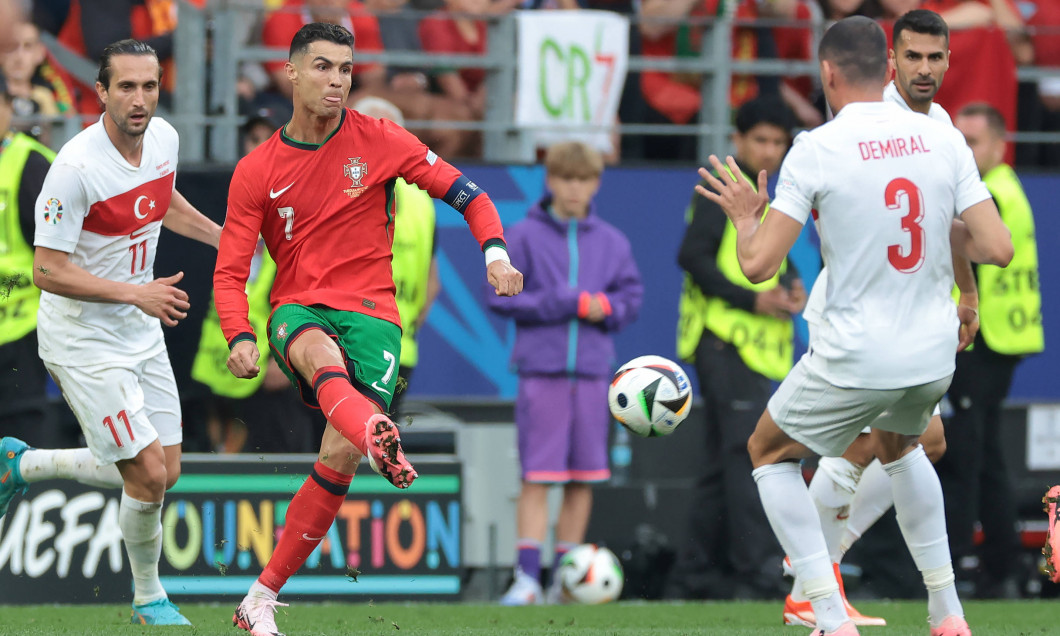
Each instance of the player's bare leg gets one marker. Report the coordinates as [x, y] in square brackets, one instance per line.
[794, 520]
[918, 505]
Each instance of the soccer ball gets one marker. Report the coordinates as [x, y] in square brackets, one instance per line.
[590, 575]
[650, 396]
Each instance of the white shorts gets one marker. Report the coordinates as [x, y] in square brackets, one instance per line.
[122, 409]
[826, 418]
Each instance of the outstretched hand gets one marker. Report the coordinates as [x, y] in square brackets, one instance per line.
[734, 195]
[506, 280]
[162, 300]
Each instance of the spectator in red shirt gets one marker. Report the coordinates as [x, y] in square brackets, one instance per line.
[1040, 104]
[677, 96]
[454, 29]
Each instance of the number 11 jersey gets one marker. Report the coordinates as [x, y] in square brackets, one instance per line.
[107, 215]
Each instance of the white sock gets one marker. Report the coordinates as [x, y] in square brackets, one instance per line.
[919, 506]
[832, 488]
[141, 527]
[257, 590]
[68, 463]
[873, 497]
[794, 520]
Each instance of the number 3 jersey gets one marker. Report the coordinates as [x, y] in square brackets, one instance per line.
[886, 183]
[107, 215]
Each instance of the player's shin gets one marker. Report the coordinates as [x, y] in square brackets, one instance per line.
[141, 528]
[873, 498]
[794, 520]
[346, 409]
[832, 490]
[918, 505]
[309, 517]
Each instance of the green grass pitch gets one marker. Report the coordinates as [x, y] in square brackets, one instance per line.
[1023, 618]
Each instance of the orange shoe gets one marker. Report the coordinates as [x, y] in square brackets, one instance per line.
[846, 629]
[385, 454]
[1051, 549]
[952, 626]
[799, 613]
[859, 619]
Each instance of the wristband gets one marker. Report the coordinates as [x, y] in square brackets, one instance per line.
[496, 253]
[584, 299]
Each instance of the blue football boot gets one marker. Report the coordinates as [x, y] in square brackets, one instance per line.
[160, 612]
[11, 482]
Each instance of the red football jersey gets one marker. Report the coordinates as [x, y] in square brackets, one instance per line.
[326, 213]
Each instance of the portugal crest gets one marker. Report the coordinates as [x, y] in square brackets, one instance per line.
[355, 170]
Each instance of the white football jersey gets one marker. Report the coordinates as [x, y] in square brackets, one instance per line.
[107, 215]
[815, 302]
[885, 183]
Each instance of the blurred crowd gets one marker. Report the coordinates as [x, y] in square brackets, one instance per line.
[1005, 33]
[1027, 32]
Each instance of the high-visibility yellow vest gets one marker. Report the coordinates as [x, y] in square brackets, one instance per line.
[764, 343]
[210, 364]
[1010, 303]
[19, 297]
[413, 243]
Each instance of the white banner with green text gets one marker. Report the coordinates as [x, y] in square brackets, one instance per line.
[572, 66]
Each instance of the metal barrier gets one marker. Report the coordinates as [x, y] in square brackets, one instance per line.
[205, 108]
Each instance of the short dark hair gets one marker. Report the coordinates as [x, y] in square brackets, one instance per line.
[317, 31]
[921, 21]
[768, 109]
[994, 119]
[122, 47]
[858, 47]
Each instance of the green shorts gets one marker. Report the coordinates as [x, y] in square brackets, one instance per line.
[370, 346]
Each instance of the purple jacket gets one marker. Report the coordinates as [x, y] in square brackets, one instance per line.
[559, 260]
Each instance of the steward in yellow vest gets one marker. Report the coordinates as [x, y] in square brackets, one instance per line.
[975, 478]
[24, 163]
[763, 340]
[19, 299]
[1010, 303]
[739, 337]
[415, 272]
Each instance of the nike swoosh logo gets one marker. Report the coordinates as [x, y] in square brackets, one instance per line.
[379, 388]
[7, 475]
[336, 406]
[275, 193]
[136, 235]
[309, 538]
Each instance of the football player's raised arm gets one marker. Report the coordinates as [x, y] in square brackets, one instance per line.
[184, 219]
[760, 246]
[420, 165]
